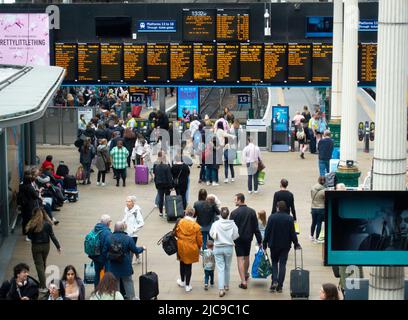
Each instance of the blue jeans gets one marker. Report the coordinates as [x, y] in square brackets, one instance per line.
[324, 167]
[279, 258]
[212, 173]
[223, 258]
[209, 274]
[128, 286]
[317, 219]
[206, 236]
[203, 175]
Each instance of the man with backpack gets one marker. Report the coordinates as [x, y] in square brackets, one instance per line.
[118, 249]
[95, 243]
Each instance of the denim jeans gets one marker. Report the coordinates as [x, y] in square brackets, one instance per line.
[209, 275]
[279, 258]
[317, 219]
[203, 175]
[252, 175]
[223, 258]
[128, 286]
[212, 173]
[206, 236]
[324, 167]
[231, 166]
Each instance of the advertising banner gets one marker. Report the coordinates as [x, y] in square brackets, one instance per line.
[280, 118]
[187, 102]
[24, 39]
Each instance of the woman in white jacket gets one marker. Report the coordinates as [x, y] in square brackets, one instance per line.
[224, 232]
[133, 220]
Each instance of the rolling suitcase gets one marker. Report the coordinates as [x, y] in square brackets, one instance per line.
[148, 282]
[174, 207]
[299, 281]
[141, 174]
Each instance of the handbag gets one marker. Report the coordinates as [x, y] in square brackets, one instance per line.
[261, 165]
[176, 181]
[261, 267]
[169, 241]
[89, 273]
[80, 175]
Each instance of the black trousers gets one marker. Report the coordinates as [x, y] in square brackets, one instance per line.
[120, 173]
[162, 192]
[101, 174]
[183, 194]
[185, 272]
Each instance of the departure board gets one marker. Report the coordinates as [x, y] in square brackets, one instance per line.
[88, 62]
[134, 62]
[232, 25]
[299, 62]
[250, 62]
[65, 57]
[275, 62]
[157, 62]
[368, 62]
[198, 25]
[227, 62]
[133, 89]
[204, 62]
[111, 62]
[322, 56]
[181, 67]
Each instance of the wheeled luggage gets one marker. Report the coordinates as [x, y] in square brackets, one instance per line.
[299, 281]
[174, 207]
[141, 174]
[148, 282]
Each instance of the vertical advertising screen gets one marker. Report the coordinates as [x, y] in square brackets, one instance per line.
[187, 102]
[24, 39]
[280, 118]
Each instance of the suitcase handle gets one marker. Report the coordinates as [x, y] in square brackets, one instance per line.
[301, 257]
[144, 260]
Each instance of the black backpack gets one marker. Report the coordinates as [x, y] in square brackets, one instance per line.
[169, 243]
[62, 170]
[116, 251]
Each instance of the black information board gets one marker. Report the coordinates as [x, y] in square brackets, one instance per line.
[181, 67]
[111, 62]
[134, 62]
[232, 25]
[65, 57]
[275, 62]
[198, 25]
[157, 62]
[88, 62]
[322, 57]
[227, 62]
[299, 62]
[250, 62]
[367, 62]
[204, 62]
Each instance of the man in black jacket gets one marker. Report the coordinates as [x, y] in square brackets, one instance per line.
[21, 286]
[325, 147]
[163, 179]
[279, 235]
[247, 223]
[284, 195]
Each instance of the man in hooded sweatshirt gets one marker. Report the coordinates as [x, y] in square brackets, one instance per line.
[224, 232]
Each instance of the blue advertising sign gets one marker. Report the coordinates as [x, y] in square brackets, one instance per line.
[156, 26]
[187, 102]
[280, 118]
[368, 25]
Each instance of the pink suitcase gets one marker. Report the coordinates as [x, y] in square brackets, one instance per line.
[141, 174]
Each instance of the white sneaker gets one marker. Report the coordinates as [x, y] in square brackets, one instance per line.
[232, 179]
[98, 183]
[226, 180]
[311, 238]
[189, 288]
[319, 241]
[256, 191]
[27, 239]
[250, 192]
[208, 183]
[215, 184]
[103, 184]
[181, 283]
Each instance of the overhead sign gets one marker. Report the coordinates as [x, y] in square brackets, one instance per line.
[187, 102]
[156, 26]
[368, 25]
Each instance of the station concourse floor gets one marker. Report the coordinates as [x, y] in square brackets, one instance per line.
[77, 219]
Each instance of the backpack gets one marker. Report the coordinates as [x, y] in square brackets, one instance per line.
[300, 135]
[116, 251]
[92, 243]
[330, 180]
[169, 243]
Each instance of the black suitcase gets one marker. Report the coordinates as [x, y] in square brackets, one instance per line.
[174, 207]
[299, 281]
[62, 169]
[148, 282]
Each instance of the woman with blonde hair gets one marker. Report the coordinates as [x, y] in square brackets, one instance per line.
[39, 231]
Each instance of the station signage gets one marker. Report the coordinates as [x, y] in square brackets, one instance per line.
[156, 26]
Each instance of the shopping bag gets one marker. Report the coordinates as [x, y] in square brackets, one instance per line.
[255, 264]
[237, 160]
[89, 273]
[321, 235]
[80, 175]
[264, 267]
[261, 177]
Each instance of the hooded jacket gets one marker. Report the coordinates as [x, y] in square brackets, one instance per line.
[224, 232]
[317, 194]
[189, 240]
[29, 289]
[102, 157]
[134, 220]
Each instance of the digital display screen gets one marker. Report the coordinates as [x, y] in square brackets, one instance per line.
[368, 62]
[280, 118]
[181, 66]
[187, 102]
[227, 62]
[319, 27]
[232, 25]
[65, 57]
[322, 56]
[111, 62]
[275, 62]
[204, 62]
[198, 25]
[88, 62]
[299, 62]
[134, 62]
[157, 62]
[250, 62]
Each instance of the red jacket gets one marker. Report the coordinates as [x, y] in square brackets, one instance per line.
[47, 164]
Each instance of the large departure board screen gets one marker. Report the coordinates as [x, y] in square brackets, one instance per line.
[157, 62]
[232, 25]
[227, 62]
[198, 25]
[111, 62]
[299, 62]
[134, 62]
[322, 62]
[204, 62]
[275, 62]
[181, 67]
[368, 62]
[65, 57]
[88, 62]
[250, 62]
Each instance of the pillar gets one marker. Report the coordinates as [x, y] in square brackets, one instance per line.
[4, 205]
[162, 99]
[387, 283]
[348, 146]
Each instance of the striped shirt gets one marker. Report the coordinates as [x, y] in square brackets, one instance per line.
[119, 157]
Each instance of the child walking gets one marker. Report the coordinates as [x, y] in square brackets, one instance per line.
[208, 264]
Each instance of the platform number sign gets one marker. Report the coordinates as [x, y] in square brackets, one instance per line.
[137, 98]
[244, 100]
